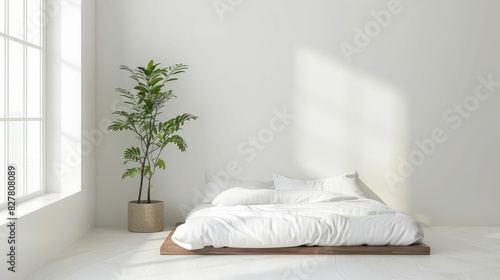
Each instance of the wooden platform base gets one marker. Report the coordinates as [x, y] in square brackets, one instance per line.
[170, 248]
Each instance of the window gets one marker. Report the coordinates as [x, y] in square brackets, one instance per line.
[22, 96]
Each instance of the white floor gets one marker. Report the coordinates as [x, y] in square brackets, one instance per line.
[111, 253]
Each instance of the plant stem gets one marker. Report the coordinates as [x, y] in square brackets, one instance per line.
[149, 191]
[142, 179]
[142, 173]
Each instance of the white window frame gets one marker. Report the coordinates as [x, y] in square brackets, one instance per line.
[42, 119]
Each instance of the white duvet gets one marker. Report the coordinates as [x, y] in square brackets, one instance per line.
[281, 218]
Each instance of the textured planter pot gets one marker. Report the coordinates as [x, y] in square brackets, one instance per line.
[145, 217]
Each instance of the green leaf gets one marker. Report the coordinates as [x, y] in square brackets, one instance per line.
[155, 81]
[125, 67]
[178, 141]
[175, 124]
[118, 125]
[156, 89]
[131, 172]
[160, 164]
[142, 89]
[124, 91]
[150, 64]
[133, 154]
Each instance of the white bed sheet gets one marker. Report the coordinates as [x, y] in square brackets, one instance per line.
[349, 222]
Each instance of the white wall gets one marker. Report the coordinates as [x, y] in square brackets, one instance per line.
[361, 112]
[43, 234]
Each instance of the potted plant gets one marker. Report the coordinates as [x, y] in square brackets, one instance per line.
[145, 105]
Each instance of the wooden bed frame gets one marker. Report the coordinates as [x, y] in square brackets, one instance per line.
[170, 248]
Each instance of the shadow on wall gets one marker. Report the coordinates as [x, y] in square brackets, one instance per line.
[368, 192]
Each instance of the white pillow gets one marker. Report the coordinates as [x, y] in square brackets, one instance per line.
[215, 184]
[243, 196]
[344, 184]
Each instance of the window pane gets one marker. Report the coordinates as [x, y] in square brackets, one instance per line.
[21, 94]
[34, 22]
[16, 63]
[3, 169]
[33, 83]
[33, 156]
[16, 18]
[2, 17]
[16, 152]
[2, 79]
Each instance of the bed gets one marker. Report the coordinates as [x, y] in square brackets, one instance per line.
[285, 215]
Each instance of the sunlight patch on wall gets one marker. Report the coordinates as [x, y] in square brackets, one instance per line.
[71, 94]
[64, 98]
[346, 119]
